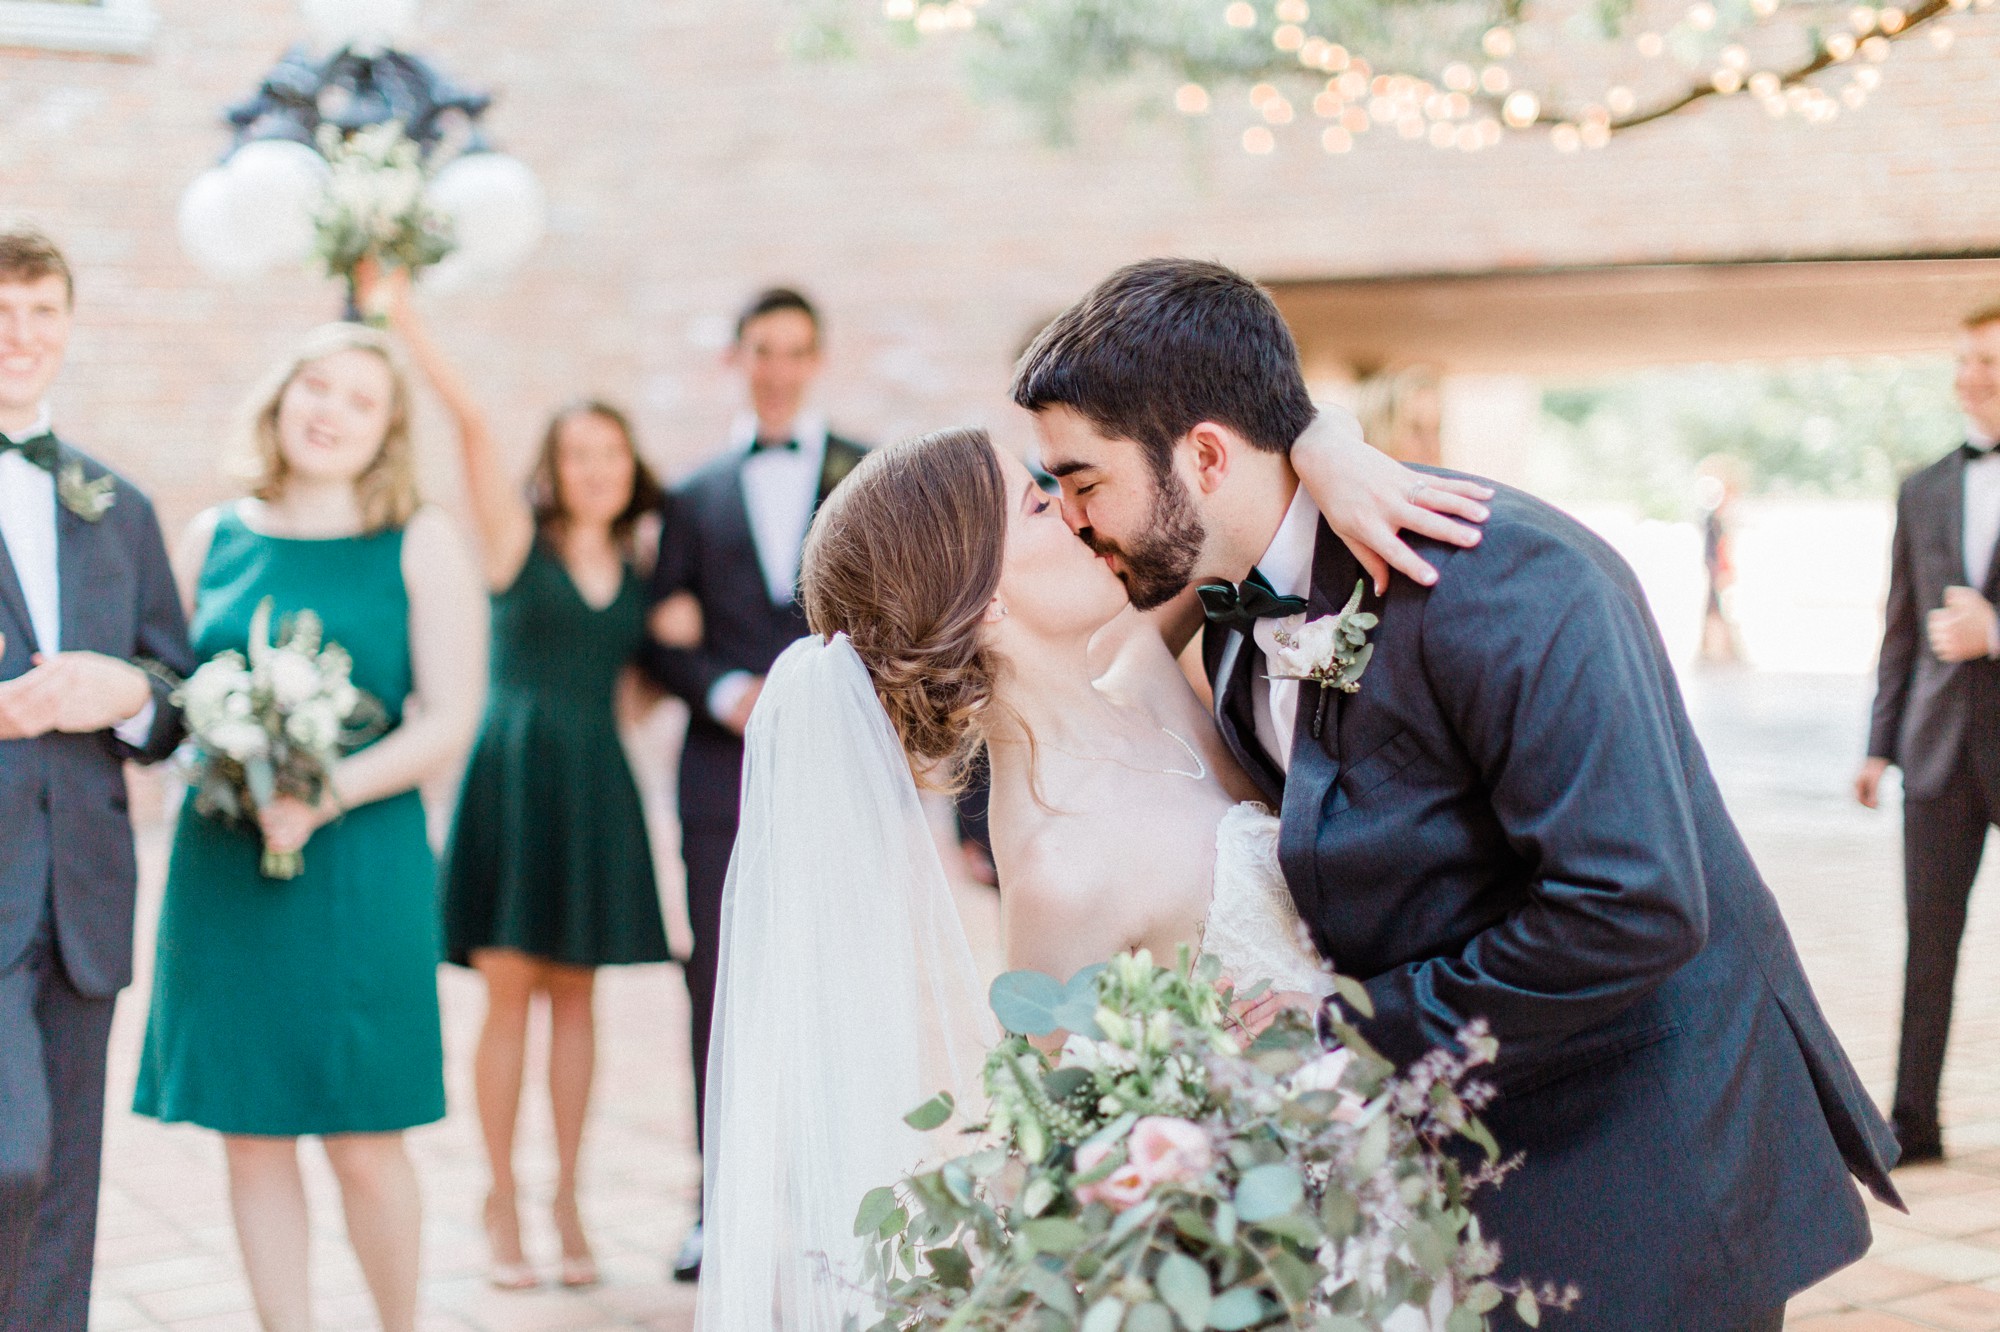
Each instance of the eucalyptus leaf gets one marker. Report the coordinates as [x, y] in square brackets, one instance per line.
[1051, 1288]
[1054, 1234]
[1063, 1083]
[932, 1114]
[1149, 1317]
[1237, 1309]
[1183, 1284]
[1527, 1310]
[1268, 1191]
[1225, 1224]
[1354, 995]
[1026, 1002]
[952, 1267]
[1464, 1320]
[1036, 1197]
[875, 1205]
[1295, 1278]
[1077, 1010]
[1104, 1316]
[1132, 1220]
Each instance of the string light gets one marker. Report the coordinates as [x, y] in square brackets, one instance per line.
[1447, 113]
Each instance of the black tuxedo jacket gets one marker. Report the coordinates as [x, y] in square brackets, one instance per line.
[1925, 709]
[706, 548]
[1513, 820]
[65, 837]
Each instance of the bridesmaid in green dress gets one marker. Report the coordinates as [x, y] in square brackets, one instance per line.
[308, 1007]
[548, 871]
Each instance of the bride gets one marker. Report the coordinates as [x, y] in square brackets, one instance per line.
[952, 606]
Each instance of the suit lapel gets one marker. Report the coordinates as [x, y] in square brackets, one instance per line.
[14, 604]
[1232, 708]
[73, 576]
[1952, 530]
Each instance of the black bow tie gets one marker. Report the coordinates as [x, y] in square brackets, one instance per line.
[1234, 606]
[775, 446]
[1973, 453]
[41, 450]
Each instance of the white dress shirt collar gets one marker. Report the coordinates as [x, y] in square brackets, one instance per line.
[809, 429]
[1287, 563]
[1979, 439]
[28, 531]
[43, 424]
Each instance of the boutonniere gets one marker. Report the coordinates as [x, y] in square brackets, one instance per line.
[1332, 651]
[87, 499]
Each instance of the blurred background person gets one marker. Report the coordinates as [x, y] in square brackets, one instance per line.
[728, 567]
[548, 873]
[309, 1007]
[1718, 482]
[73, 708]
[1936, 707]
[1402, 413]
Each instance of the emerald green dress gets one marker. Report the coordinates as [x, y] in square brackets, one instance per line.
[309, 1005]
[548, 853]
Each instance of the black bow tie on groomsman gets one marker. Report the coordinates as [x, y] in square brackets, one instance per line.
[1240, 606]
[1973, 453]
[775, 446]
[41, 450]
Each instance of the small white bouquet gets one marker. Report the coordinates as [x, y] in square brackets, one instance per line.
[375, 206]
[273, 724]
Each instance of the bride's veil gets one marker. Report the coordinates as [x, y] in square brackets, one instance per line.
[848, 996]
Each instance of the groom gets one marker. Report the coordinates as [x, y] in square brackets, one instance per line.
[1512, 821]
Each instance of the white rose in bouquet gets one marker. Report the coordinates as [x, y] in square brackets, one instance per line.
[315, 726]
[294, 678]
[239, 739]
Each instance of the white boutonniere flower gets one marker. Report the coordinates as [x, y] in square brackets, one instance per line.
[1332, 651]
[87, 499]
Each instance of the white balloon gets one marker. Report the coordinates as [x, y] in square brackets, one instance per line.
[368, 26]
[215, 229]
[278, 183]
[497, 211]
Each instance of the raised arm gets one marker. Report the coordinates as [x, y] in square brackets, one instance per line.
[448, 626]
[1369, 499]
[506, 527]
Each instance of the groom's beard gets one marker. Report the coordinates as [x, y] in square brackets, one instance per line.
[1159, 563]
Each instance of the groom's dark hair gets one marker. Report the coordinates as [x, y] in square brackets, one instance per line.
[1161, 346]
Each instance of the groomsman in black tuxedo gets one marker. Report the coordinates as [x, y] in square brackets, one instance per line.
[85, 593]
[731, 538]
[1937, 716]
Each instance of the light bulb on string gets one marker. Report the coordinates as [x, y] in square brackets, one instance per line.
[1293, 11]
[1840, 45]
[1651, 45]
[1259, 140]
[1261, 93]
[1621, 99]
[1876, 48]
[1276, 111]
[1240, 15]
[1328, 105]
[1521, 109]
[1191, 99]
[1765, 85]
[1495, 79]
[1337, 139]
[1566, 138]
[1289, 37]
[1459, 77]
[1498, 43]
[1702, 16]
[1942, 36]
[1893, 20]
[1727, 81]
[1862, 19]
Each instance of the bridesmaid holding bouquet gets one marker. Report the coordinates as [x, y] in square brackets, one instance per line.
[548, 872]
[307, 1007]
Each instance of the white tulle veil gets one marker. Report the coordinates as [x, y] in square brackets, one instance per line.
[848, 995]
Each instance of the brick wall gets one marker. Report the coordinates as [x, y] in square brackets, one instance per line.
[688, 160]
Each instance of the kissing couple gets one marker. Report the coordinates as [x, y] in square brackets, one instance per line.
[1509, 819]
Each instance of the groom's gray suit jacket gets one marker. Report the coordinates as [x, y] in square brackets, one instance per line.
[1514, 820]
[65, 838]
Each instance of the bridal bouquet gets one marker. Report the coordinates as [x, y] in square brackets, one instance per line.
[272, 724]
[374, 205]
[1166, 1173]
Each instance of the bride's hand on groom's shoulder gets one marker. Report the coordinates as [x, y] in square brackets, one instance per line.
[1369, 499]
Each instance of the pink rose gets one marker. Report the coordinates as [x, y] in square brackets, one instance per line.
[1169, 1151]
[1124, 1187]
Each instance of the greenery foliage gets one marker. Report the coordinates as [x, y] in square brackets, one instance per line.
[1164, 1171]
[1839, 429]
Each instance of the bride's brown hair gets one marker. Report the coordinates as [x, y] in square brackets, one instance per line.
[904, 559]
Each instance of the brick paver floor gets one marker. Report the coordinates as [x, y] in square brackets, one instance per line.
[1784, 746]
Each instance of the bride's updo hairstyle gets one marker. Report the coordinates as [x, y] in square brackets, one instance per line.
[904, 559]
